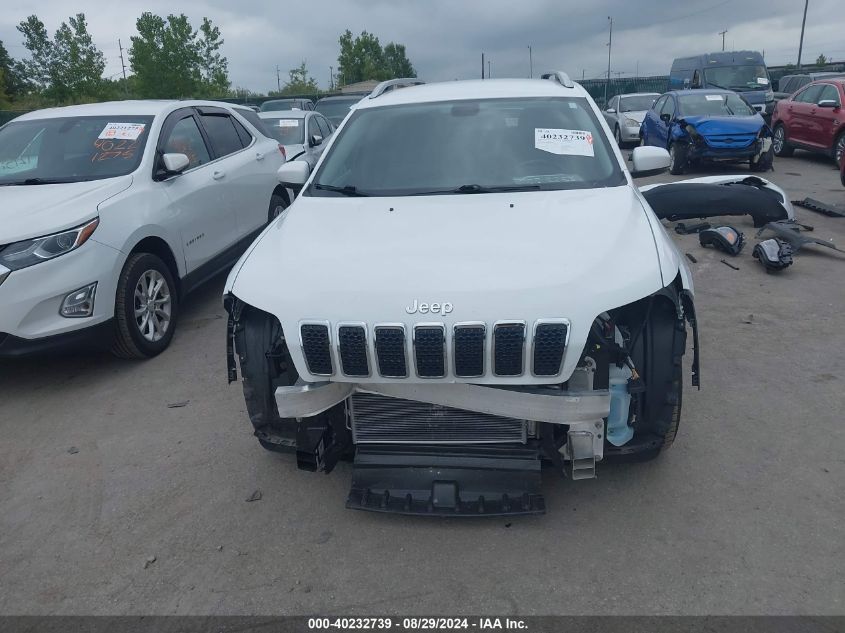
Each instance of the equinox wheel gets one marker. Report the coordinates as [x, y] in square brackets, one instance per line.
[145, 307]
[779, 144]
[278, 204]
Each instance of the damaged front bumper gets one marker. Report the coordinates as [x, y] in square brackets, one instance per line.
[701, 150]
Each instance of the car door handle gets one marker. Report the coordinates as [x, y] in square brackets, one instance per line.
[218, 174]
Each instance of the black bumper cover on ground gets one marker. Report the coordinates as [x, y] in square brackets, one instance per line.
[447, 480]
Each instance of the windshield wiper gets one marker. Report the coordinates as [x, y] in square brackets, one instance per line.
[348, 190]
[473, 188]
[36, 181]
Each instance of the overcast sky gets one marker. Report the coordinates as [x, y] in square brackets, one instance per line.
[445, 38]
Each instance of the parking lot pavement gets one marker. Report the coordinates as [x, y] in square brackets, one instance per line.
[113, 503]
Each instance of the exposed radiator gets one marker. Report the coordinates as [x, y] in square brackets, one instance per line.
[378, 419]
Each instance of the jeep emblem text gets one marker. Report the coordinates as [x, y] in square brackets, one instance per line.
[429, 308]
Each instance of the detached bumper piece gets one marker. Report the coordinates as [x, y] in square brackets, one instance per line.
[447, 481]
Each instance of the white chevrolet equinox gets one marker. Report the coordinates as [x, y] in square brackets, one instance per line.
[469, 284]
[111, 213]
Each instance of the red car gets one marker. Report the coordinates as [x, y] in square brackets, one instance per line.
[812, 119]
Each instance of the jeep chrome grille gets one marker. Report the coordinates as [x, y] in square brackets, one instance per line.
[431, 350]
[378, 419]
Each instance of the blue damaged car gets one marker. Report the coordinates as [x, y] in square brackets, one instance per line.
[707, 125]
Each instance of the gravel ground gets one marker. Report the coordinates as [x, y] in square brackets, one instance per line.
[114, 503]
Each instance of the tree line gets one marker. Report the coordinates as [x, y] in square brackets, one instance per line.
[166, 58]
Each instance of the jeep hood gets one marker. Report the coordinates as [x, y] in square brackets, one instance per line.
[711, 125]
[28, 211]
[516, 256]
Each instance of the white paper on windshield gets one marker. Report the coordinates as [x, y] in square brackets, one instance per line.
[559, 141]
[288, 123]
[128, 131]
[713, 97]
[763, 81]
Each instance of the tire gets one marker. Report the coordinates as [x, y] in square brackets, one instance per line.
[262, 373]
[838, 150]
[780, 145]
[658, 355]
[677, 158]
[764, 162]
[278, 203]
[145, 308]
[617, 135]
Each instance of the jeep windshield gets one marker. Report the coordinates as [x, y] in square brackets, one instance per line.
[741, 78]
[71, 149]
[699, 103]
[469, 147]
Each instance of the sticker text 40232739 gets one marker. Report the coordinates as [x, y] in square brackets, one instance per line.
[564, 142]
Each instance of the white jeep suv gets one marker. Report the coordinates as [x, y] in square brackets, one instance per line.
[112, 212]
[469, 284]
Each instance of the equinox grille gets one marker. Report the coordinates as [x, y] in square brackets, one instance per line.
[315, 347]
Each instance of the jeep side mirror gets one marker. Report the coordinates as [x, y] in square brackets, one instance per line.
[294, 174]
[666, 117]
[649, 161]
[316, 140]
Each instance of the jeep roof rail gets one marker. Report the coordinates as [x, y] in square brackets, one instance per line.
[559, 76]
[393, 84]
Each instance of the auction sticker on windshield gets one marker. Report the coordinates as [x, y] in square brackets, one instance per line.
[288, 123]
[124, 131]
[559, 141]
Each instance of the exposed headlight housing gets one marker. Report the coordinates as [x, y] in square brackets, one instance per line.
[30, 252]
[692, 132]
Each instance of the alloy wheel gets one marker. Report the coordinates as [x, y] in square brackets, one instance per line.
[840, 149]
[778, 141]
[153, 305]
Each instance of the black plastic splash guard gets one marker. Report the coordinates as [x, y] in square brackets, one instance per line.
[447, 480]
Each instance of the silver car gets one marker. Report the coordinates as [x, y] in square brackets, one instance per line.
[625, 113]
[302, 133]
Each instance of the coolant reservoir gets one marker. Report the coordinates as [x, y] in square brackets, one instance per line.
[618, 431]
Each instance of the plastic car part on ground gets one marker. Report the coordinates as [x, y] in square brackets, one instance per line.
[719, 195]
[790, 233]
[774, 253]
[724, 238]
[821, 207]
[686, 229]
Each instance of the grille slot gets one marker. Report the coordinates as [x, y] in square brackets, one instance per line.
[508, 346]
[316, 348]
[549, 343]
[469, 350]
[429, 351]
[378, 419]
[390, 351]
[352, 343]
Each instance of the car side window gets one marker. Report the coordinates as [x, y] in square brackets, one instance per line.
[325, 128]
[696, 79]
[668, 106]
[313, 128]
[658, 105]
[614, 103]
[809, 94]
[828, 93]
[221, 130]
[243, 133]
[185, 138]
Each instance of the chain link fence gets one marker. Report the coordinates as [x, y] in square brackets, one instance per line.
[624, 85]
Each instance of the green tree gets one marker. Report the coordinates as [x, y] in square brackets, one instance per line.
[5, 102]
[170, 59]
[13, 85]
[363, 58]
[821, 60]
[300, 82]
[67, 68]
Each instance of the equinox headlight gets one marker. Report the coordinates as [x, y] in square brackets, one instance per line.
[28, 252]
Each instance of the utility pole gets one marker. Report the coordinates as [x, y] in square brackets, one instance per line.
[331, 78]
[609, 47]
[803, 22]
[123, 65]
[722, 33]
[482, 65]
[489, 72]
[278, 79]
[530, 64]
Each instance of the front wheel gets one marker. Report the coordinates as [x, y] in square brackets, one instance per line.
[278, 204]
[677, 158]
[779, 143]
[839, 149]
[617, 135]
[764, 162]
[145, 307]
